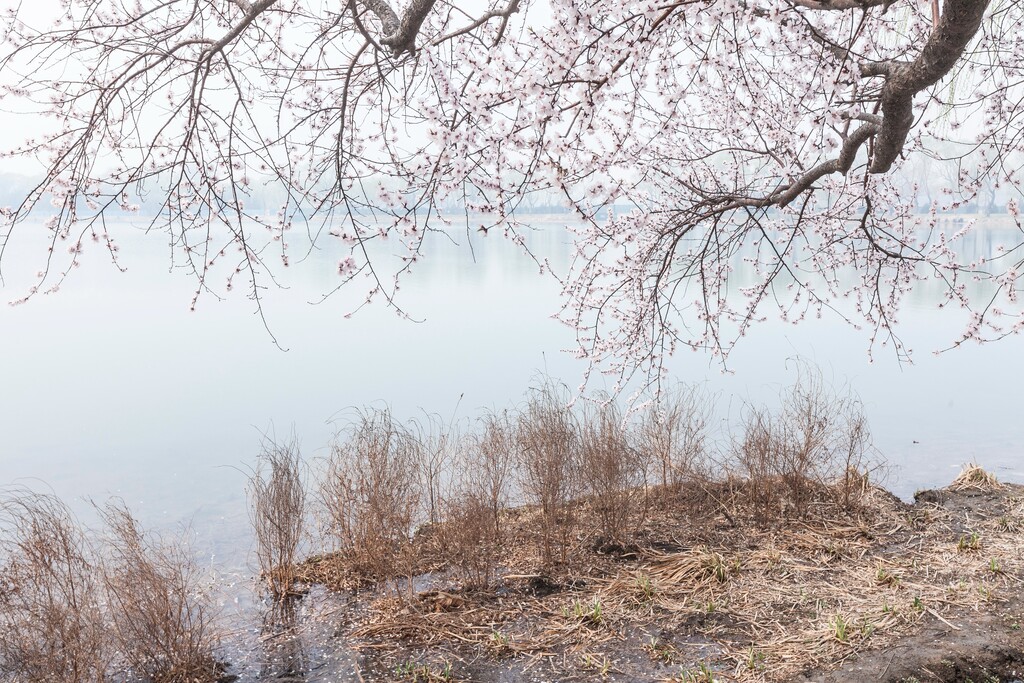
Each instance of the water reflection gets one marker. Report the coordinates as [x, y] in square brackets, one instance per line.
[284, 649]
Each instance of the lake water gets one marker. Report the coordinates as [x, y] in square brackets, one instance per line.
[113, 387]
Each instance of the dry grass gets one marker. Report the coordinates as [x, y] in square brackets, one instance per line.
[52, 629]
[793, 560]
[773, 604]
[161, 618]
[277, 510]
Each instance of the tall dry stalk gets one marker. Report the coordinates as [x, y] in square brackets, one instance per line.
[51, 624]
[435, 443]
[491, 460]
[162, 617]
[610, 469]
[277, 510]
[371, 495]
[549, 468]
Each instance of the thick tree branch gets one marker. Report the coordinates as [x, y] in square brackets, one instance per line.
[388, 19]
[404, 40]
[399, 34]
[840, 5]
[959, 23]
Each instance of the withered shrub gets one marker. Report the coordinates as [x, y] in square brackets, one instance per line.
[549, 467]
[490, 464]
[52, 628]
[816, 449]
[611, 470]
[161, 615]
[371, 495]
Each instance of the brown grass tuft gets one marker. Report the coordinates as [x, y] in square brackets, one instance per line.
[973, 477]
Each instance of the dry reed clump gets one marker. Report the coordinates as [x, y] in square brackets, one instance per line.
[611, 471]
[51, 626]
[549, 467]
[816, 449]
[277, 510]
[371, 496]
[161, 617]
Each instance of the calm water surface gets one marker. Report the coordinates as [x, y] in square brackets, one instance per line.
[113, 387]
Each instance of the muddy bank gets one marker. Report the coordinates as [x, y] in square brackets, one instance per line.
[981, 644]
[929, 591]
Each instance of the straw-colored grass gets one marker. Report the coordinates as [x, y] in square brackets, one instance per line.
[974, 477]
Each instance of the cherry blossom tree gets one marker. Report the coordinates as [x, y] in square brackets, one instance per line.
[686, 136]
